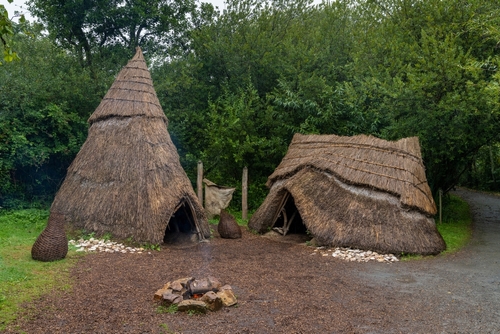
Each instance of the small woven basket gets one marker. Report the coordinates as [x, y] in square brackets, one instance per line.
[51, 244]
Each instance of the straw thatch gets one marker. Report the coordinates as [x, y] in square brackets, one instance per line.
[127, 179]
[358, 191]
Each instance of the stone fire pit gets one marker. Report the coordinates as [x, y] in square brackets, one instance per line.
[198, 295]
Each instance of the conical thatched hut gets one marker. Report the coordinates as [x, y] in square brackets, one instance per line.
[360, 192]
[127, 179]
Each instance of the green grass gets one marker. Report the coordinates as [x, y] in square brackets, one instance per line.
[165, 329]
[164, 309]
[456, 225]
[23, 279]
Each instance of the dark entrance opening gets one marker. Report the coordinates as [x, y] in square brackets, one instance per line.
[288, 219]
[181, 227]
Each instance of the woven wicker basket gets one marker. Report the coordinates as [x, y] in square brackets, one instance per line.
[51, 244]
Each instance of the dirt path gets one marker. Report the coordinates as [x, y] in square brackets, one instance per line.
[284, 288]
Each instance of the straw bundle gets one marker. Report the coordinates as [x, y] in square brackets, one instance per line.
[127, 178]
[343, 193]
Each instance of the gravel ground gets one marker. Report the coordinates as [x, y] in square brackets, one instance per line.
[283, 288]
[457, 293]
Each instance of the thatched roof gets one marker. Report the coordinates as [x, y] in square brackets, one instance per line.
[131, 94]
[393, 167]
[127, 179]
[355, 192]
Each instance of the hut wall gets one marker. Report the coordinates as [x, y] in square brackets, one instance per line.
[338, 214]
[127, 180]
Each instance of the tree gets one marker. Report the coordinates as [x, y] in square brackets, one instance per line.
[428, 69]
[45, 100]
[261, 71]
[91, 26]
[236, 85]
[6, 33]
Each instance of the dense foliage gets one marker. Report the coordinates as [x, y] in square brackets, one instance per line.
[237, 84]
[113, 28]
[45, 100]
[6, 33]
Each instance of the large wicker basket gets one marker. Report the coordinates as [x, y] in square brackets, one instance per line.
[51, 244]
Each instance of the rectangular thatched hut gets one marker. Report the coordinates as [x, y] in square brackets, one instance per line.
[359, 192]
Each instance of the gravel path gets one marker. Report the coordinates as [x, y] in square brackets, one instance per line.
[451, 294]
[283, 288]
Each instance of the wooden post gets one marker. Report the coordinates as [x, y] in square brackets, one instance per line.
[199, 182]
[244, 194]
[492, 160]
[440, 206]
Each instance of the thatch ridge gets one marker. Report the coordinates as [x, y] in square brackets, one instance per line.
[393, 167]
[132, 94]
[127, 178]
[338, 214]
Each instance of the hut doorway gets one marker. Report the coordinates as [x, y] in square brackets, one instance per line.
[288, 220]
[182, 226]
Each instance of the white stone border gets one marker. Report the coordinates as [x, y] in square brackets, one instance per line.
[96, 245]
[355, 255]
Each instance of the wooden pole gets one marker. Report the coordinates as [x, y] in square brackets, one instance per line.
[244, 194]
[440, 206]
[199, 182]
[492, 160]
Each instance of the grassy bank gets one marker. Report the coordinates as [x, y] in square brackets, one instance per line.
[456, 227]
[21, 278]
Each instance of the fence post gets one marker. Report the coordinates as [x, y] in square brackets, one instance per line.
[492, 161]
[199, 182]
[440, 191]
[244, 194]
